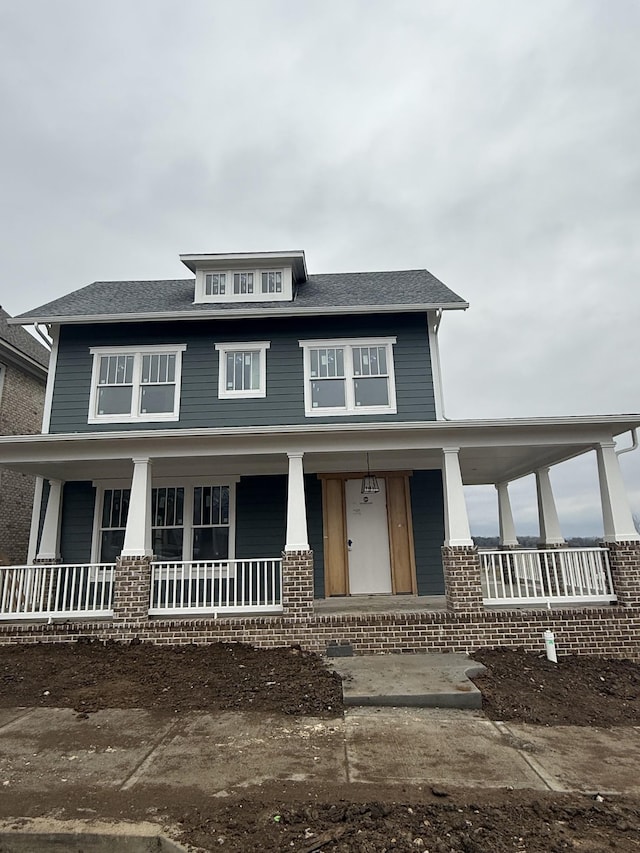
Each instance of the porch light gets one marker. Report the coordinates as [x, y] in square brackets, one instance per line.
[369, 482]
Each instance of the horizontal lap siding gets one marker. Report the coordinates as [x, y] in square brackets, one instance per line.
[284, 403]
[261, 520]
[427, 510]
[77, 522]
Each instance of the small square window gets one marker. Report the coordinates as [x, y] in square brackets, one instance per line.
[242, 369]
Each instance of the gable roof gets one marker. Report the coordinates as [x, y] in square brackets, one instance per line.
[19, 345]
[333, 293]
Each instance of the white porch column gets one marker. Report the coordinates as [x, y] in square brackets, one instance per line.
[456, 520]
[297, 537]
[50, 539]
[508, 538]
[550, 533]
[137, 537]
[616, 513]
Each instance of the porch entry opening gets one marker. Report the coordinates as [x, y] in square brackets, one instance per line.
[368, 540]
[205, 536]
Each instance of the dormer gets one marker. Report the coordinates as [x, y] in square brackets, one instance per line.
[247, 276]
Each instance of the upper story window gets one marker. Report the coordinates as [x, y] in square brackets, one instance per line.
[141, 384]
[243, 369]
[244, 285]
[349, 377]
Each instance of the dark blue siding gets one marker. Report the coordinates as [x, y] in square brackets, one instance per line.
[284, 403]
[261, 520]
[78, 501]
[427, 510]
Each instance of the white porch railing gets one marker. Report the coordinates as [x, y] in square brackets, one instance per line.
[558, 575]
[56, 591]
[208, 587]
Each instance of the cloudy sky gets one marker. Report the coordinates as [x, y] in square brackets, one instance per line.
[495, 143]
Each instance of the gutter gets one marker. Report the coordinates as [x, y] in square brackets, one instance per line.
[232, 314]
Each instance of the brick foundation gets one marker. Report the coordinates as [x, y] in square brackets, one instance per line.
[131, 589]
[624, 559]
[297, 583]
[461, 566]
[607, 631]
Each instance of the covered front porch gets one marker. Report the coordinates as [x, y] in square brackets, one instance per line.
[147, 525]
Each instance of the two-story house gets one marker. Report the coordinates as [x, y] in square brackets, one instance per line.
[255, 451]
[23, 374]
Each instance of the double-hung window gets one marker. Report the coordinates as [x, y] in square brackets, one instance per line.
[188, 522]
[243, 369]
[349, 377]
[141, 384]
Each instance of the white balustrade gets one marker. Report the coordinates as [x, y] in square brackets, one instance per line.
[53, 591]
[555, 575]
[212, 587]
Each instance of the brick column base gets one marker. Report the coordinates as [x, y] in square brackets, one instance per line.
[297, 583]
[461, 565]
[624, 559]
[131, 589]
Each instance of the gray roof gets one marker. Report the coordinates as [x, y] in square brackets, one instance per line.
[14, 338]
[320, 294]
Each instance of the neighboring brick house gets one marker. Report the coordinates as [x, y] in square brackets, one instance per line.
[23, 375]
[254, 452]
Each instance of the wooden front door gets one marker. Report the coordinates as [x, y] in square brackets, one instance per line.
[345, 571]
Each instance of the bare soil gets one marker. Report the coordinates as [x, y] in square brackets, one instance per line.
[579, 690]
[328, 818]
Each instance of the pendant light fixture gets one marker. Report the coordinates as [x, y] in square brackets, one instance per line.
[370, 484]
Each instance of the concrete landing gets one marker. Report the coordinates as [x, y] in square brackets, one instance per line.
[412, 681]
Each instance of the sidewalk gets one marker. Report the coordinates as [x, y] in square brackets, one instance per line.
[45, 749]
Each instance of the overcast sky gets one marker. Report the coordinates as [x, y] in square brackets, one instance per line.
[494, 143]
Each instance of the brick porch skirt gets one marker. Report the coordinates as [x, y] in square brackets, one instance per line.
[610, 631]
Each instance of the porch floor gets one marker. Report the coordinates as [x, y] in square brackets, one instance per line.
[363, 604]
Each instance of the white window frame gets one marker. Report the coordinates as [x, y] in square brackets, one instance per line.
[137, 352]
[223, 350]
[258, 295]
[350, 408]
[189, 484]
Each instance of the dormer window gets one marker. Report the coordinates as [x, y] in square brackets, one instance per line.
[242, 282]
[247, 277]
[215, 284]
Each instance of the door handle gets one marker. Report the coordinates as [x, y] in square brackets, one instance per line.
[349, 543]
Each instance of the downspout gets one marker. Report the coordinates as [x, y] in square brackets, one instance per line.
[432, 329]
[45, 340]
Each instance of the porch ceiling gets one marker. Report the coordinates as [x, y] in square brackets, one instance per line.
[490, 451]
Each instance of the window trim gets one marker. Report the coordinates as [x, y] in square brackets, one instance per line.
[189, 484]
[3, 371]
[350, 409]
[223, 349]
[137, 353]
[258, 295]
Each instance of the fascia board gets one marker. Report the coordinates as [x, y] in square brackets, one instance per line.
[21, 360]
[536, 430]
[243, 314]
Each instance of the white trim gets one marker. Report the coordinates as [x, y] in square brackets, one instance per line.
[223, 349]
[433, 323]
[189, 484]
[256, 295]
[137, 352]
[3, 370]
[51, 378]
[35, 520]
[290, 310]
[350, 408]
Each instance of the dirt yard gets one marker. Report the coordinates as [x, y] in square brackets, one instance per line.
[331, 818]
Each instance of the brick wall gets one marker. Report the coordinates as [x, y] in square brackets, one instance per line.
[624, 559]
[461, 567]
[297, 583]
[21, 407]
[608, 631]
[132, 589]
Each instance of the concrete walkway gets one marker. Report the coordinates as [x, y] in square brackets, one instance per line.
[414, 681]
[41, 749]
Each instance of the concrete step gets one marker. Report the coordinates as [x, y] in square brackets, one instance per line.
[413, 681]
